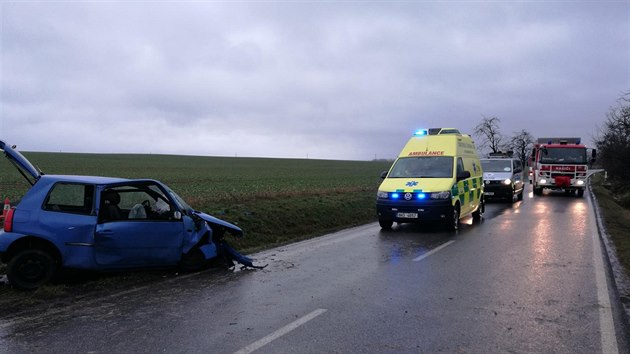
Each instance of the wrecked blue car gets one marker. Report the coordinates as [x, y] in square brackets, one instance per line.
[104, 223]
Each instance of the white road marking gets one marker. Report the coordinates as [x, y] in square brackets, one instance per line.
[606, 323]
[281, 332]
[419, 258]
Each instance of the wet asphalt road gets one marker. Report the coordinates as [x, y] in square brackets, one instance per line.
[527, 279]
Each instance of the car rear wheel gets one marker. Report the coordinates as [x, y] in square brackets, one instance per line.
[30, 269]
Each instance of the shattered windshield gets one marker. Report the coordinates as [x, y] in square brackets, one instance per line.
[563, 155]
[423, 167]
[496, 165]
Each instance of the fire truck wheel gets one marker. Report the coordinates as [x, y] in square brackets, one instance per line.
[580, 193]
[538, 191]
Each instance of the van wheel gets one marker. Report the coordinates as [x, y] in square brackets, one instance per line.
[479, 212]
[30, 269]
[385, 224]
[453, 224]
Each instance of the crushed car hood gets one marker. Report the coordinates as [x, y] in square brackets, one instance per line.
[212, 221]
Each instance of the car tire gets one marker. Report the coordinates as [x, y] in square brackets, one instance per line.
[385, 224]
[192, 261]
[30, 269]
[519, 197]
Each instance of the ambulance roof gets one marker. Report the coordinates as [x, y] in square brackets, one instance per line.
[439, 142]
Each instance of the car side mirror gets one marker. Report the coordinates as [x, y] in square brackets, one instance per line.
[177, 215]
[463, 175]
[383, 174]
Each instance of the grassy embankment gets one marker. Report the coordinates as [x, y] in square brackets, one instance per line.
[615, 208]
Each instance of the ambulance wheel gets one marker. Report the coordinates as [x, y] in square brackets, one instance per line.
[479, 212]
[30, 269]
[385, 224]
[453, 224]
[580, 193]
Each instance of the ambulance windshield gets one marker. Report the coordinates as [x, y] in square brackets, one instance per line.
[564, 155]
[423, 167]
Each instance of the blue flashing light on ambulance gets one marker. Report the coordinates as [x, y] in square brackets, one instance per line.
[436, 177]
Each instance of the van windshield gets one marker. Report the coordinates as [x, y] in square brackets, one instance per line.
[423, 167]
[496, 165]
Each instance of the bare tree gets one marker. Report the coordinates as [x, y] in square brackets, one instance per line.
[490, 134]
[521, 143]
[613, 141]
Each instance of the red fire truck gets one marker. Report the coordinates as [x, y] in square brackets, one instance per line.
[560, 164]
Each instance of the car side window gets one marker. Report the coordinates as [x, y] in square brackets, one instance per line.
[70, 198]
[517, 166]
[135, 202]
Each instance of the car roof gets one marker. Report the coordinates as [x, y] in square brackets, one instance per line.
[85, 179]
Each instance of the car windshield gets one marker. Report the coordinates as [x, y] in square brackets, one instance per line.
[423, 167]
[496, 165]
[563, 155]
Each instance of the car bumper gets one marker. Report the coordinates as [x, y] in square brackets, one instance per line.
[498, 191]
[414, 211]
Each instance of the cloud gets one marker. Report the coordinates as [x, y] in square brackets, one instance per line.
[328, 80]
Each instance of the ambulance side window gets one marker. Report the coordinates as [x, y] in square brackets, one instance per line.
[460, 166]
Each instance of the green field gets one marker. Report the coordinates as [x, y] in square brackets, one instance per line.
[275, 201]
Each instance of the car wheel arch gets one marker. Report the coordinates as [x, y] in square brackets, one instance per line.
[32, 242]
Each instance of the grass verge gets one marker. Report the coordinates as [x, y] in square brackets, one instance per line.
[616, 218]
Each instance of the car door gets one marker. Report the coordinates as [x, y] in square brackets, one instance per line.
[153, 237]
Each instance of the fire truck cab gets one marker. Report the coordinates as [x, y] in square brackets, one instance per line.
[559, 164]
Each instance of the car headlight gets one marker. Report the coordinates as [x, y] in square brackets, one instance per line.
[441, 195]
[507, 181]
[381, 195]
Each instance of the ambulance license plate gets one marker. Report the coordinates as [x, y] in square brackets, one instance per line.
[407, 215]
[489, 193]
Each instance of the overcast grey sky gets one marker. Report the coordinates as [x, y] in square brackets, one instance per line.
[329, 80]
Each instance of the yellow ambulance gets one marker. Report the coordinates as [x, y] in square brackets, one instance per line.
[436, 177]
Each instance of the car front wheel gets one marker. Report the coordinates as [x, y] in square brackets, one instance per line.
[30, 269]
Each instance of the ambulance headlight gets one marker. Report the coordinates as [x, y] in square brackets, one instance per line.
[507, 181]
[441, 195]
[381, 195]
